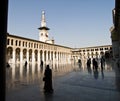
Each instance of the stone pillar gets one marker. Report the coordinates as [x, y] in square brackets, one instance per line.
[13, 59]
[59, 57]
[115, 42]
[33, 56]
[50, 56]
[3, 39]
[47, 56]
[53, 57]
[43, 56]
[56, 56]
[27, 56]
[38, 57]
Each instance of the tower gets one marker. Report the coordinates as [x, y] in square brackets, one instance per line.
[43, 30]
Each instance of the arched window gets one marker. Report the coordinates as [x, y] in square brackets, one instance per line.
[8, 41]
[12, 42]
[16, 42]
[19, 43]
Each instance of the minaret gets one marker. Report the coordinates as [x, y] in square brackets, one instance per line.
[43, 30]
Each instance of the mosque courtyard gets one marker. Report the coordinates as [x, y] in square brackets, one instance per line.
[70, 83]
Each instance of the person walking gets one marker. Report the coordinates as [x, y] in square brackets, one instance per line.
[25, 63]
[41, 66]
[102, 63]
[48, 80]
[95, 64]
[79, 63]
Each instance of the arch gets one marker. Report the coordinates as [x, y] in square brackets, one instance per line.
[8, 41]
[9, 54]
[101, 53]
[36, 55]
[88, 54]
[19, 43]
[24, 54]
[17, 55]
[12, 42]
[16, 42]
[92, 54]
[30, 55]
[96, 54]
[107, 55]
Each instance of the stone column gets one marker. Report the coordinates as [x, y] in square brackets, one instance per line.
[115, 42]
[46, 56]
[13, 59]
[43, 56]
[53, 57]
[27, 56]
[33, 56]
[50, 56]
[38, 57]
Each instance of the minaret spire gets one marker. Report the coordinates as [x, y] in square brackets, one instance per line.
[43, 31]
[43, 22]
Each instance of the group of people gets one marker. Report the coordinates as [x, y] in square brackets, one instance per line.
[95, 63]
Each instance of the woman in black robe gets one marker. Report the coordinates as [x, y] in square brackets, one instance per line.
[48, 80]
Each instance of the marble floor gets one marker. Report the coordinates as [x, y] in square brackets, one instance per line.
[70, 83]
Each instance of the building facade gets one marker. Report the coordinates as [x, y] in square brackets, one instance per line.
[20, 49]
[91, 52]
[115, 31]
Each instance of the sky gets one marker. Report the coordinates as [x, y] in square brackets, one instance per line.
[72, 23]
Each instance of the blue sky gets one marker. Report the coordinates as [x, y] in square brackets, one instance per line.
[73, 23]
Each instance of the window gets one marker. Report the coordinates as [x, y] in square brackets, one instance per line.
[46, 35]
[34, 45]
[12, 42]
[16, 42]
[23, 43]
[19, 43]
[29, 44]
[26, 44]
[8, 41]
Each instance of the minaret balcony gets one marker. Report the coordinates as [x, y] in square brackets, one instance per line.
[46, 28]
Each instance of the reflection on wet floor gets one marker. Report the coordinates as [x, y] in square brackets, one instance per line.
[19, 75]
[70, 82]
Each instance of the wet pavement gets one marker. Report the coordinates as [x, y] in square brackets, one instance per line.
[73, 84]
